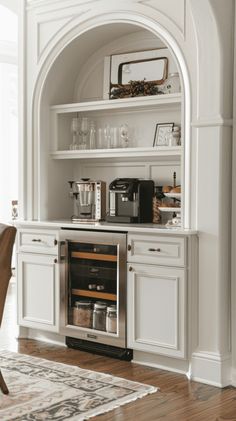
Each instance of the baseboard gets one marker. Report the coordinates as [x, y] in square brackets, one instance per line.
[175, 365]
[233, 377]
[49, 337]
[211, 368]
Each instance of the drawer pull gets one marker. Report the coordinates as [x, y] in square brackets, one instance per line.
[129, 247]
[36, 240]
[130, 268]
[55, 242]
[158, 250]
[55, 260]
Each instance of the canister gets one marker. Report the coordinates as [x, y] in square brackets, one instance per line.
[99, 316]
[82, 314]
[111, 319]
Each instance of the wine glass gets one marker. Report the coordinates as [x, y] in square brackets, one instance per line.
[75, 131]
[84, 129]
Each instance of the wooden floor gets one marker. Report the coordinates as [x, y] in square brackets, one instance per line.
[177, 400]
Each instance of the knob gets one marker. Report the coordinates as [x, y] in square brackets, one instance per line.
[55, 242]
[129, 247]
[130, 268]
[55, 260]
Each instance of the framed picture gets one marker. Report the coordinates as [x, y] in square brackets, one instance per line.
[161, 134]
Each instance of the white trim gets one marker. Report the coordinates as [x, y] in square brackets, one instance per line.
[48, 337]
[218, 121]
[36, 4]
[211, 368]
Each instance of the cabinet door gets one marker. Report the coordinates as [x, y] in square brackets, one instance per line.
[157, 309]
[38, 291]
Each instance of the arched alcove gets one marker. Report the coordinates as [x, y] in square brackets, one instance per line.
[59, 82]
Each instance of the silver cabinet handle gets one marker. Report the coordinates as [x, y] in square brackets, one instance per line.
[158, 250]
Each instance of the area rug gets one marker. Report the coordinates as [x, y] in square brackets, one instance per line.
[42, 390]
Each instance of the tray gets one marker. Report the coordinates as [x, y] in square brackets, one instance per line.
[173, 195]
[169, 209]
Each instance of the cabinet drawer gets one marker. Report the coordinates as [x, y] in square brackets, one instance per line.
[156, 249]
[38, 241]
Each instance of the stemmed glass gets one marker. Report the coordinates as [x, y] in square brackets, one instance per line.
[84, 129]
[75, 131]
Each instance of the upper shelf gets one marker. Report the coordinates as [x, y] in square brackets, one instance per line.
[165, 100]
[161, 152]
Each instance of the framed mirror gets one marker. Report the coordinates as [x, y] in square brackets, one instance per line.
[153, 69]
[138, 73]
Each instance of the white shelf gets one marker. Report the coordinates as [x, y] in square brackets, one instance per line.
[172, 153]
[165, 100]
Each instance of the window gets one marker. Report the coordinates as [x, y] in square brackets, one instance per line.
[8, 112]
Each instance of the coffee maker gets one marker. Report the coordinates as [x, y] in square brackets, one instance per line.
[130, 200]
[90, 200]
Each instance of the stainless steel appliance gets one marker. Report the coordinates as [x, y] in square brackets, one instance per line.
[130, 200]
[90, 200]
[93, 291]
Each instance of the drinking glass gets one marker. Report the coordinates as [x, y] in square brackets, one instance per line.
[92, 135]
[124, 135]
[107, 136]
[75, 131]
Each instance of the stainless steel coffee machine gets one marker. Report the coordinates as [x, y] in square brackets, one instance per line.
[130, 200]
[90, 200]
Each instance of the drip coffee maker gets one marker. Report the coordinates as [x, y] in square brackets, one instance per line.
[90, 200]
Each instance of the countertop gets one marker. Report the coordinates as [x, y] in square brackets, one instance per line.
[105, 226]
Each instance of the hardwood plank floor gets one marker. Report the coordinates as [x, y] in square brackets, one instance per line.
[177, 400]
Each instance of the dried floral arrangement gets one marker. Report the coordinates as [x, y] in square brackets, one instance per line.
[134, 88]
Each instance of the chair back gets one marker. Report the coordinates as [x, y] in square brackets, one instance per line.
[7, 238]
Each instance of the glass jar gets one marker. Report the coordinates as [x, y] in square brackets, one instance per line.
[111, 319]
[99, 316]
[82, 314]
[172, 84]
[14, 209]
[174, 137]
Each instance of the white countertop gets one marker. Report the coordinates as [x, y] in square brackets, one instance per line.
[105, 226]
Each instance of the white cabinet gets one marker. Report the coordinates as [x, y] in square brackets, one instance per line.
[38, 279]
[157, 250]
[157, 295]
[156, 309]
[37, 241]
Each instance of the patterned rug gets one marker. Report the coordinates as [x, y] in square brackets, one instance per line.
[42, 390]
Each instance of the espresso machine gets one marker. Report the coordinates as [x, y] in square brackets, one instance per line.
[130, 200]
[90, 200]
